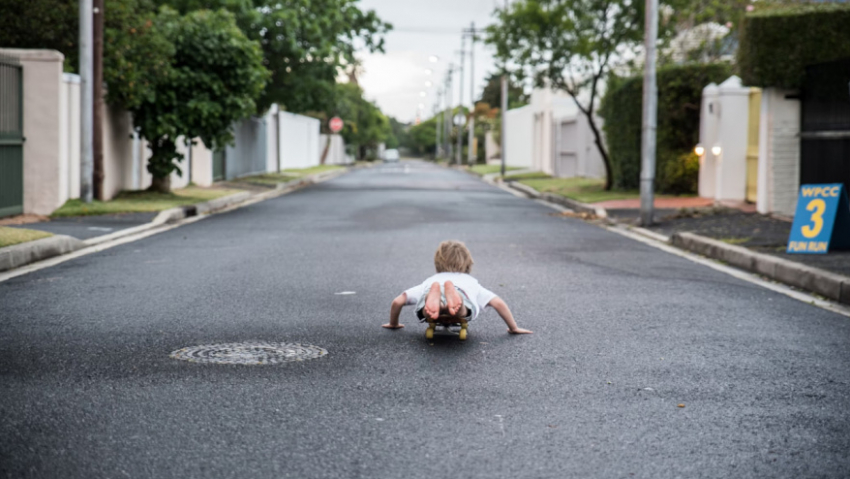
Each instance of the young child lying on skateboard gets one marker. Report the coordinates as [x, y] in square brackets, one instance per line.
[451, 296]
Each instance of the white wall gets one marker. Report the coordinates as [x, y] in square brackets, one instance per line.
[535, 136]
[724, 123]
[708, 121]
[491, 148]
[779, 152]
[336, 152]
[299, 141]
[272, 129]
[44, 181]
[519, 130]
[69, 153]
[575, 152]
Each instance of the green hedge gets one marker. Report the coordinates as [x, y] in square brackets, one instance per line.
[679, 99]
[777, 43]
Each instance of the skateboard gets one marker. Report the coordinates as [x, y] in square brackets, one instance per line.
[432, 326]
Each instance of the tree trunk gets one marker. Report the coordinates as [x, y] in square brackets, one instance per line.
[161, 185]
[327, 148]
[597, 137]
[609, 175]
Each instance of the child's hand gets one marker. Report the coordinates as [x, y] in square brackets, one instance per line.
[392, 326]
[520, 331]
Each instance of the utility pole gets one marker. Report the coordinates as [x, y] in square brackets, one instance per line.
[650, 115]
[470, 153]
[447, 116]
[437, 146]
[86, 100]
[97, 91]
[504, 132]
[459, 153]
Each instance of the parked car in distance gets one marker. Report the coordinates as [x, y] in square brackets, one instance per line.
[391, 155]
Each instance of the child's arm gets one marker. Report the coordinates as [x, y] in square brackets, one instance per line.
[505, 312]
[395, 310]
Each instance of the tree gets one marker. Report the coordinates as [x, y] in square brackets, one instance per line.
[304, 43]
[492, 93]
[135, 53]
[422, 138]
[364, 124]
[569, 45]
[214, 76]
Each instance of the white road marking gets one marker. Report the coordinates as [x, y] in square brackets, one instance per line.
[345, 293]
[99, 228]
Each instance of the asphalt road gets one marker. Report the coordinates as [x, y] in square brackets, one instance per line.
[624, 333]
[85, 227]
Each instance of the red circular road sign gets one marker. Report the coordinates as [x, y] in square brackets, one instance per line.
[335, 124]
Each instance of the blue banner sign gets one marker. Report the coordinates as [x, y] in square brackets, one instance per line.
[822, 220]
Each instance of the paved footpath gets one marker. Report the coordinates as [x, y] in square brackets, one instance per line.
[624, 333]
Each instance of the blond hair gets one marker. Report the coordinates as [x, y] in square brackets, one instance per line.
[453, 257]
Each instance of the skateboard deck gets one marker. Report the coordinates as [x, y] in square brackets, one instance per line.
[432, 327]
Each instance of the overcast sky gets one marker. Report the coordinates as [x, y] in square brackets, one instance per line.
[423, 28]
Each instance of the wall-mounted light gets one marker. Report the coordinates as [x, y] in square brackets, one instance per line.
[433, 59]
[422, 94]
[716, 150]
[699, 150]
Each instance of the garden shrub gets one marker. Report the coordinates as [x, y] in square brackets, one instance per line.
[679, 100]
[778, 42]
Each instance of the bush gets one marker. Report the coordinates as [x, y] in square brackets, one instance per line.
[777, 43]
[681, 174]
[679, 99]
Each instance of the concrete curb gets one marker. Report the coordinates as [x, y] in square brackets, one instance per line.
[23, 254]
[830, 285]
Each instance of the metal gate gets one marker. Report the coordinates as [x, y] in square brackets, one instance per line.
[11, 137]
[825, 129]
[219, 164]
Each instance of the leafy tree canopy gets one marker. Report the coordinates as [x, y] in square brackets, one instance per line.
[569, 45]
[365, 125]
[492, 93]
[304, 43]
[215, 73]
[135, 52]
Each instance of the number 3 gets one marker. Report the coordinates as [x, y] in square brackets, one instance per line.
[817, 218]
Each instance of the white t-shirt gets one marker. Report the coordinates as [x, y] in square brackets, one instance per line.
[479, 295]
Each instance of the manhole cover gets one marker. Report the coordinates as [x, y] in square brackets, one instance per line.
[249, 353]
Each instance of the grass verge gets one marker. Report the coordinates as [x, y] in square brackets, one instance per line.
[312, 170]
[586, 190]
[269, 179]
[141, 201]
[10, 236]
[489, 169]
